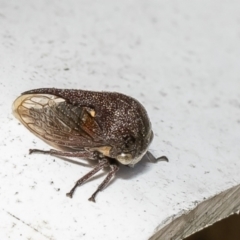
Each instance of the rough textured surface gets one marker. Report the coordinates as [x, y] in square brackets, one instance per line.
[179, 59]
[205, 214]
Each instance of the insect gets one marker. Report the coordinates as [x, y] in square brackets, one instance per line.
[108, 127]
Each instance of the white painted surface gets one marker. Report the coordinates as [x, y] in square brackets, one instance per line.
[180, 59]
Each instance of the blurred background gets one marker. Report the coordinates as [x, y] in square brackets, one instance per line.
[226, 229]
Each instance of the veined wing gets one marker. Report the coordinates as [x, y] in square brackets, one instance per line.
[60, 124]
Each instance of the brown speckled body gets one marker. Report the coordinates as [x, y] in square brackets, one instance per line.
[86, 123]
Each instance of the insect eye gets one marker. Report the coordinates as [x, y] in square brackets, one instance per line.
[129, 141]
[124, 158]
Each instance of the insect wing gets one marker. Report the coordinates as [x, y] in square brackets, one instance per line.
[60, 124]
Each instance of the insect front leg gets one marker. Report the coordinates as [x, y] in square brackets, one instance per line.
[114, 169]
[153, 159]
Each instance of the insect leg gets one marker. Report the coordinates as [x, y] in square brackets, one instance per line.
[114, 169]
[102, 163]
[163, 158]
[84, 154]
[153, 159]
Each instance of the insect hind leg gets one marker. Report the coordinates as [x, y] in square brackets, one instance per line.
[103, 162]
[83, 154]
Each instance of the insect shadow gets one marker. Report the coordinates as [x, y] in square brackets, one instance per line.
[125, 172]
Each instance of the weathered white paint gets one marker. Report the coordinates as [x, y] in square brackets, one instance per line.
[180, 59]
